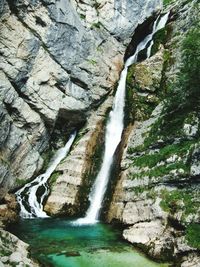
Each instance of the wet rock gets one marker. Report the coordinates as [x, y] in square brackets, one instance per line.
[55, 64]
[156, 197]
[148, 74]
[65, 193]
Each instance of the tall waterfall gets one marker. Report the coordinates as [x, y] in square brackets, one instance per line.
[114, 130]
[30, 205]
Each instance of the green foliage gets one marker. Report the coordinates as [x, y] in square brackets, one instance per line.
[159, 38]
[185, 95]
[167, 2]
[185, 200]
[92, 61]
[54, 177]
[20, 182]
[162, 170]
[193, 235]
[151, 160]
[47, 157]
[137, 107]
[82, 16]
[96, 25]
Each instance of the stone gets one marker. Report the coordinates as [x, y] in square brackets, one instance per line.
[192, 260]
[156, 196]
[16, 251]
[64, 195]
[195, 166]
[144, 232]
[58, 61]
[148, 74]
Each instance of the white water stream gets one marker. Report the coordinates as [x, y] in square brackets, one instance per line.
[114, 130]
[30, 205]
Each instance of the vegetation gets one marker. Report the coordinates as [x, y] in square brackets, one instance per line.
[20, 182]
[160, 38]
[184, 97]
[167, 2]
[47, 155]
[164, 153]
[137, 107]
[185, 200]
[96, 25]
[54, 177]
[193, 235]
[92, 61]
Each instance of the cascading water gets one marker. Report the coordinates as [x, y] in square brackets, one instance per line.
[30, 205]
[114, 130]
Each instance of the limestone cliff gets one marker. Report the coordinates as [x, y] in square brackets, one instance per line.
[58, 61]
[157, 195]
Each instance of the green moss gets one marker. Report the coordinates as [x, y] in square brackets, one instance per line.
[92, 61]
[139, 189]
[159, 38]
[129, 104]
[138, 107]
[53, 178]
[193, 235]
[20, 182]
[82, 16]
[47, 155]
[184, 96]
[167, 2]
[96, 25]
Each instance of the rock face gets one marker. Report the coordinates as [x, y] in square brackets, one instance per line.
[58, 60]
[69, 192]
[13, 251]
[157, 196]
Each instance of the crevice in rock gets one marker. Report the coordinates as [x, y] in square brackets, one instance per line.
[39, 21]
[141, 31]
[80, 83]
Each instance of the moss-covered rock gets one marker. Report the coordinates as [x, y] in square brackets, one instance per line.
[157, 196]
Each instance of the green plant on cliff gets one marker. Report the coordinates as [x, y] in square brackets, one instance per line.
[185, 95]
[164, 153]
[185, 200]
[193, 235]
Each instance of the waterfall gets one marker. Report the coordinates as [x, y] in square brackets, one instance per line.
[114, 130]
[30, 205]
